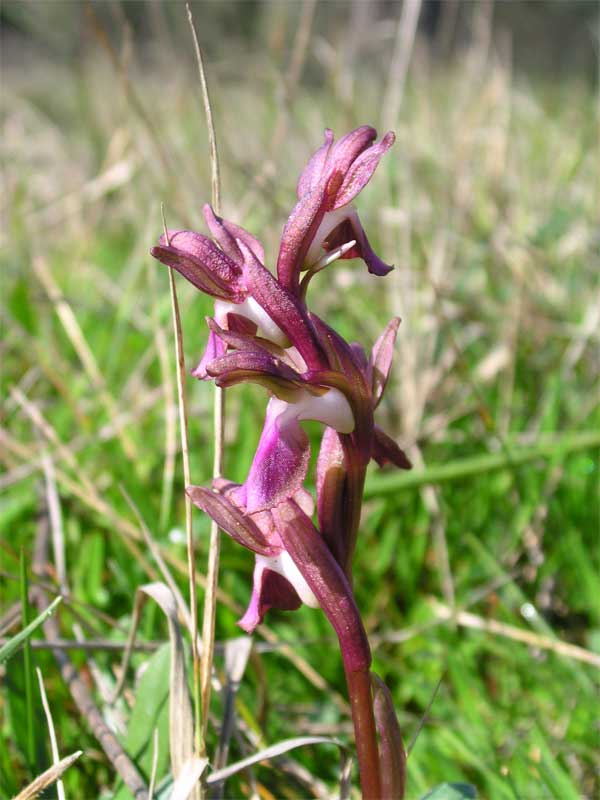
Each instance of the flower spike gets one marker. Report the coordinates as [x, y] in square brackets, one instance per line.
[323, 219]
[262, 332]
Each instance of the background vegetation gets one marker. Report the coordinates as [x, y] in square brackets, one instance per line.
[488, 207]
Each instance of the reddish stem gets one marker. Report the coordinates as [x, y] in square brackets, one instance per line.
[361, 702]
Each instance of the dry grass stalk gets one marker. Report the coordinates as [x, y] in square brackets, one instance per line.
[212, 572]
[76, 336]
[58, 539]
[77, 686]
[403, 47]
[183, 429]
[475, 622]
[160, 562]
[60, 789]
[48, 777]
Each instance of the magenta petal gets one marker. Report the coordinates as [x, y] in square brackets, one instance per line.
[215, 348]
[314, 169]
[240, 334]
[232, 520]
[257, 366]
[392, 755]
[374, 264]
[240, 324]
[298, 234]
[269, 590]
[331, 493]
[381, 359]
[226, 233]
[280, 463]
[283, 308]
[326, 580]
[347, 149]
[201, 262]
[361, 171]
[386, 451]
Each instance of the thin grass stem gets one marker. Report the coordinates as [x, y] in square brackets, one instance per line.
[183, 425]
[27, 663]
[60, 789]
[212, 572]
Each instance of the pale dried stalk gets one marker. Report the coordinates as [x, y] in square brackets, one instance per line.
[185, 455]
[56, 526]
[82, 348]
[468, 620]
[60, 789]
[48, 777]
[403, 47]
[212, 572]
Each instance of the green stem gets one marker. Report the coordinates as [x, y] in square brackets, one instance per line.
[28, 674]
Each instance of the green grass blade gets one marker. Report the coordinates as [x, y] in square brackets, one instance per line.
[11, 647]
[381, 485]
[28, 666]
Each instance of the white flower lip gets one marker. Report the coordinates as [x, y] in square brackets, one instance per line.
[255, 313]
[331, 220]
[283, 565]
[331, 408]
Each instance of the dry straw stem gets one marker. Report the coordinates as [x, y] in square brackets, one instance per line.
[129, 90]
[58, 539]
[76, 337]
[181, 724]
[160, 562]
[212, 572]
[403, 47]
[60, 789]
[78, 688]
[48, 777]
[183, 429]
[475, 622]
[274, 751]
[160, 340]
[237, 653]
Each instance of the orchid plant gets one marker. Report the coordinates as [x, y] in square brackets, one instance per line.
[263, 331]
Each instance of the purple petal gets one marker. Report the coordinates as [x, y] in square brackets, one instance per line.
[232, 520]
[215, 348]
[349, 229]
[281, 461]
[269, 590]
[331, 494]
[392, 756]
[314, 169]
[283, 308]
[259, 367]
[299, 232]
[381, 359]
[326, 580]
[361, 170]
[386, 451]
[201, 262]
[240, 334]
[226, 233]
[347, 149]
[240, 324]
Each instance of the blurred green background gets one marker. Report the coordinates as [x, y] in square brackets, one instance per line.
[488, 207]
